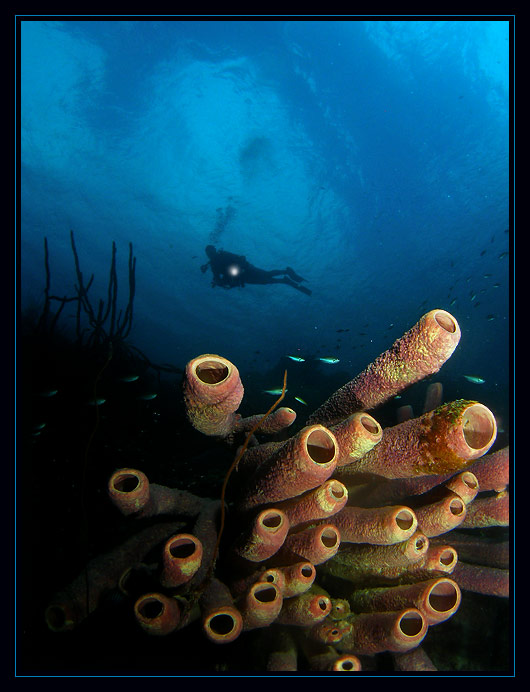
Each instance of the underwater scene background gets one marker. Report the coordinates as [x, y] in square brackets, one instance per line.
[370, 157]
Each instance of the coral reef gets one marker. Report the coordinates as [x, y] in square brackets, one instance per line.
[339, 543]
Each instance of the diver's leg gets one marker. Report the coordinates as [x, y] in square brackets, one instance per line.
[260, 276]
[287, 271]
[275, 272]
[253, 275]
[288, 281]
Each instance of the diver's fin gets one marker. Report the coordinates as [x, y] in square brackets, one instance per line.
[291, 272]
[303, 289]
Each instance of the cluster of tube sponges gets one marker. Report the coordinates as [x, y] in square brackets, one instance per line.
[336, 543]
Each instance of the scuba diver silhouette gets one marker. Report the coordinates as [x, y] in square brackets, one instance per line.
[230, 270]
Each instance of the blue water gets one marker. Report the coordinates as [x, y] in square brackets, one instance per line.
[371, 156]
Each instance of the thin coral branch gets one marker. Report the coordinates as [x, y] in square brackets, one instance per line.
[128, 317]
[112, 291]
[80, 288]
[118, 330]
[45, 311]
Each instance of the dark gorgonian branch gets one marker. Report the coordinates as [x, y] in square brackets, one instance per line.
[107, 323]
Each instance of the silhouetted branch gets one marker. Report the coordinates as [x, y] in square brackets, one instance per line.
[105, 325]
[116, 331]
[109, 325]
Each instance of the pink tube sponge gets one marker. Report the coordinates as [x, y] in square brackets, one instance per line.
[388, 631]
[378, 526]
[445, 440]
[212, 394]
[132, 493]
[157, 613]
[182, 557]
[357, 562]
[305, 610]
[420, 352]
[492, 510]
[316, 545]
[279, 420]
[261, 605]
[490, 581]
[436, 599]
[441, 516]
[355, 436]
[322, 502]
[221, 620]
[493, 470]
[304, 462]
[264, 537]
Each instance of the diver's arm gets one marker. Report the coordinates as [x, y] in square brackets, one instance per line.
[216, 279]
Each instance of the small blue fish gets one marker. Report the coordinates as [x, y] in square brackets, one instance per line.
[301, 400]
[48, 392]
[329, 360]
[96, 402]
[297, 359]
[147, 397]
[474, 379]
[274, 392]
[129, 378]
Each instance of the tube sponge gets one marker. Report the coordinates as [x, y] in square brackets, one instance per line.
[212, 393]
[420, 352]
